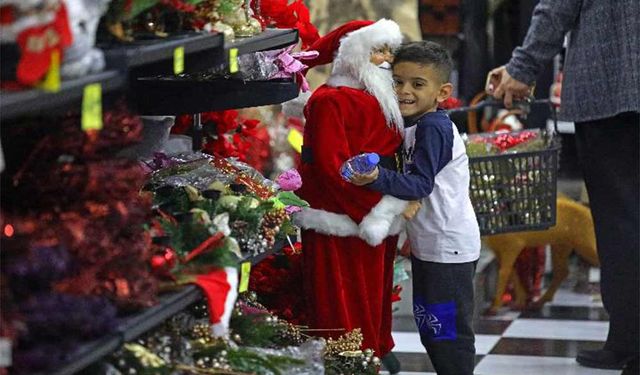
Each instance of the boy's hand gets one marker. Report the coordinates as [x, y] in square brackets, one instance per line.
[364, 179]
[412, 209]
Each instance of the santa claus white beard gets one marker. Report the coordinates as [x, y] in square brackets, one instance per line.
[378, 81]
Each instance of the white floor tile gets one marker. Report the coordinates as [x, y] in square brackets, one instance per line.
[484, 343]
[409, 342]
[528, 365]
[505, 313]
[558, 329]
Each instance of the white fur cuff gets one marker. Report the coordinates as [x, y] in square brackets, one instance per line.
[383, 221]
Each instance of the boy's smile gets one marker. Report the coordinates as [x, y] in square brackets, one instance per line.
[419, 88]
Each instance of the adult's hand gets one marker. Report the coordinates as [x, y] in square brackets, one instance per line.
[501, 85]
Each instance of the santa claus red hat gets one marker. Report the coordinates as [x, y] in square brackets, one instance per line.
[355, 39]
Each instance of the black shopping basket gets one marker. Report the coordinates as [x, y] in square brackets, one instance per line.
[514, 192]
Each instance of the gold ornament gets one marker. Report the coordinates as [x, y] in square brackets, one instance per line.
[349, 342]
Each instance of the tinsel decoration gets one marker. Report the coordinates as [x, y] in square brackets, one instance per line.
[90, 204]
[45, 326]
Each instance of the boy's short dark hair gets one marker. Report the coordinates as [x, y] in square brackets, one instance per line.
[426, 53]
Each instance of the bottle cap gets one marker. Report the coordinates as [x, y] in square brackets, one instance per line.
[373, 158]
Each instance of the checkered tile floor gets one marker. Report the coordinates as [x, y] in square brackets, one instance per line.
[535, 343]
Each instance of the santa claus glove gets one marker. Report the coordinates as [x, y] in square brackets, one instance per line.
[383, 220]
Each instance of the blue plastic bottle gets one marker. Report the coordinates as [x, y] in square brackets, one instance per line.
[361, 164]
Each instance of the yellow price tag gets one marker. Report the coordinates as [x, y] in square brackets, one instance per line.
[233, 60]
[178, 60]
[245, 271]
[51, 81]
[295, 140]
[92, 107]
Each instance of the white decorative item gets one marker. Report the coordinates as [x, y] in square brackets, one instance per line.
[82, 58]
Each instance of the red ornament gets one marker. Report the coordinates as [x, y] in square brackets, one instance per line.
[170, 257]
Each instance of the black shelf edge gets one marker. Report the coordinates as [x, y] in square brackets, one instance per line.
[169, 305]
[155, 96]
[275, 249]
[124, 57]
[89, 353]
[34, 101]
[267, 40]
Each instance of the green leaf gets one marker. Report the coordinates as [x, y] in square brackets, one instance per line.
[290, 199]
[140, 6]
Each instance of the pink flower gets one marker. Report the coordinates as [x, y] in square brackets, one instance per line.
[292, 209]
[289, 180]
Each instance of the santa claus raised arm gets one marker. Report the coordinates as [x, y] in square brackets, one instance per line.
[348, 247]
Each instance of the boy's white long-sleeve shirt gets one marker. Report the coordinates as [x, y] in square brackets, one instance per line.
[436, 171]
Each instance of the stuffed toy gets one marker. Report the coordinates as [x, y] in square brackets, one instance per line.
[573, 232]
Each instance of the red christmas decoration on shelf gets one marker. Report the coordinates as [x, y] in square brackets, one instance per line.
[227, 134]
[281, 14]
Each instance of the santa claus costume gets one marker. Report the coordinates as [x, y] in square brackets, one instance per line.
[347, 234]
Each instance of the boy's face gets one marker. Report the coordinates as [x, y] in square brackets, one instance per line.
[419, 88]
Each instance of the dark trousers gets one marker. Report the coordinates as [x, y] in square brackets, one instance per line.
[443, 309]
[609, 153]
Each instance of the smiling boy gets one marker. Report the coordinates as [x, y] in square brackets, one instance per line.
[444, 234]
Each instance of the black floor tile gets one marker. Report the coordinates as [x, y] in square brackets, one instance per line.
[543, 347]
[568, 312]
[419, 362]
[491, 327]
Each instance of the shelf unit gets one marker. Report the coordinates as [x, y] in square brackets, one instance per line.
[37, 102]
[125, 64]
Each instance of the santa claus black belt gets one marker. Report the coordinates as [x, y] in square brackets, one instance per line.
[387, 162]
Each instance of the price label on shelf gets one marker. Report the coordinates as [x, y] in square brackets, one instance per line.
[233, 60]
[295, 140]
[51, 81]
[92, 107]
[245, 271]
[178, 60]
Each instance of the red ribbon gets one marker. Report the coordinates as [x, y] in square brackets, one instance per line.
[208, 244]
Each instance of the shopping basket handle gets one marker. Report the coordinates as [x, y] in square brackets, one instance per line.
[523, 105]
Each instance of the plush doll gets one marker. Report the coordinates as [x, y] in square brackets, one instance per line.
[573, 232]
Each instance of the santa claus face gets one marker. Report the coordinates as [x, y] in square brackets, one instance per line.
[381, 55]
[419, 88]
